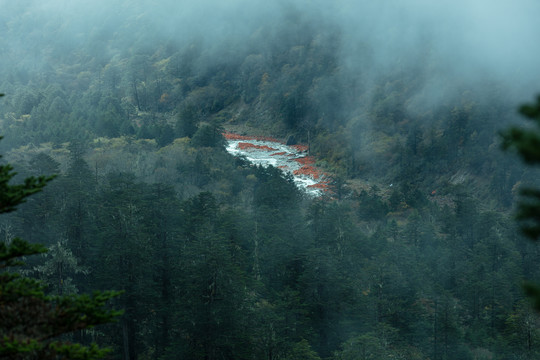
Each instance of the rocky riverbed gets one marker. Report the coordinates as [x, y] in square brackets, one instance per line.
[291, 159]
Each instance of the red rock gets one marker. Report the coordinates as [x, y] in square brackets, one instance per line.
[301, 148]
[245, 146]
[307, 160]
[308, 171]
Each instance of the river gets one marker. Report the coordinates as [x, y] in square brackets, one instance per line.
[291, 159]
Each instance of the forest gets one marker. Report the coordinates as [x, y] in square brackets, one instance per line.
[414, 251]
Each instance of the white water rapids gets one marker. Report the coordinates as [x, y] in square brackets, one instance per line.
[265, 153]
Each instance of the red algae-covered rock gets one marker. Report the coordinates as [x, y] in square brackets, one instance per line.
[246, 146]
[299, 147]
[292, 159]
[320, 186]
[307, 160]
[307, 170]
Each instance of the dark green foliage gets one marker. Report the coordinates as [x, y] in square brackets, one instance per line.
[162, 222]
[77, 190]
[371, 206]
[338, 186]
[165, 135]
[526, 142]
[13, 195]
[273, 190]
[224, 260]
[162, 132]
[265, 271]
[124, 247]
[213, 303]
[187, 122]
[209, 135]
[528, 213]
[30, 321]
[18, 248]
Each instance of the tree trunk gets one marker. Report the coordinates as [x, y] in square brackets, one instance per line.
[125, 333]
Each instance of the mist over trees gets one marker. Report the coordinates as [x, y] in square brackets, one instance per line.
[414, 252]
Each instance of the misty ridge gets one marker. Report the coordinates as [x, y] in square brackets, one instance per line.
[328, 64]
[456, 44]
[407, 247]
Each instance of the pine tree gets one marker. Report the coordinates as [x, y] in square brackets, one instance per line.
[31, 323]
[526, 142]
[125, 248]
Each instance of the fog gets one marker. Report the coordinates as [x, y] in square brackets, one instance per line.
[458, 44]
[400, 104]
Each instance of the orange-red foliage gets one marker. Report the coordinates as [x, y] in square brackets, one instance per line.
[279, 153]
[245, 146]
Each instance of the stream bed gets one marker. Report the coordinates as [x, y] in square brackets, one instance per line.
[292, 159]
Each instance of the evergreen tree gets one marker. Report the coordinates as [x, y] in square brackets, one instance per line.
[124, 247]
[526, 142]
[209, 135]
[186, 124]
[213, 303]
[59, 268]
[78, 204]
[31, 323]
[162, 223]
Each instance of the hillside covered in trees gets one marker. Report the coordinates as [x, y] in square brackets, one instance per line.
[412, 254]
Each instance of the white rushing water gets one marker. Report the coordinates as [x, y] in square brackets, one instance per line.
[280, 156]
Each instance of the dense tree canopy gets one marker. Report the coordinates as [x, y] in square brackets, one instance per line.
[31, 322]
[412, 254]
